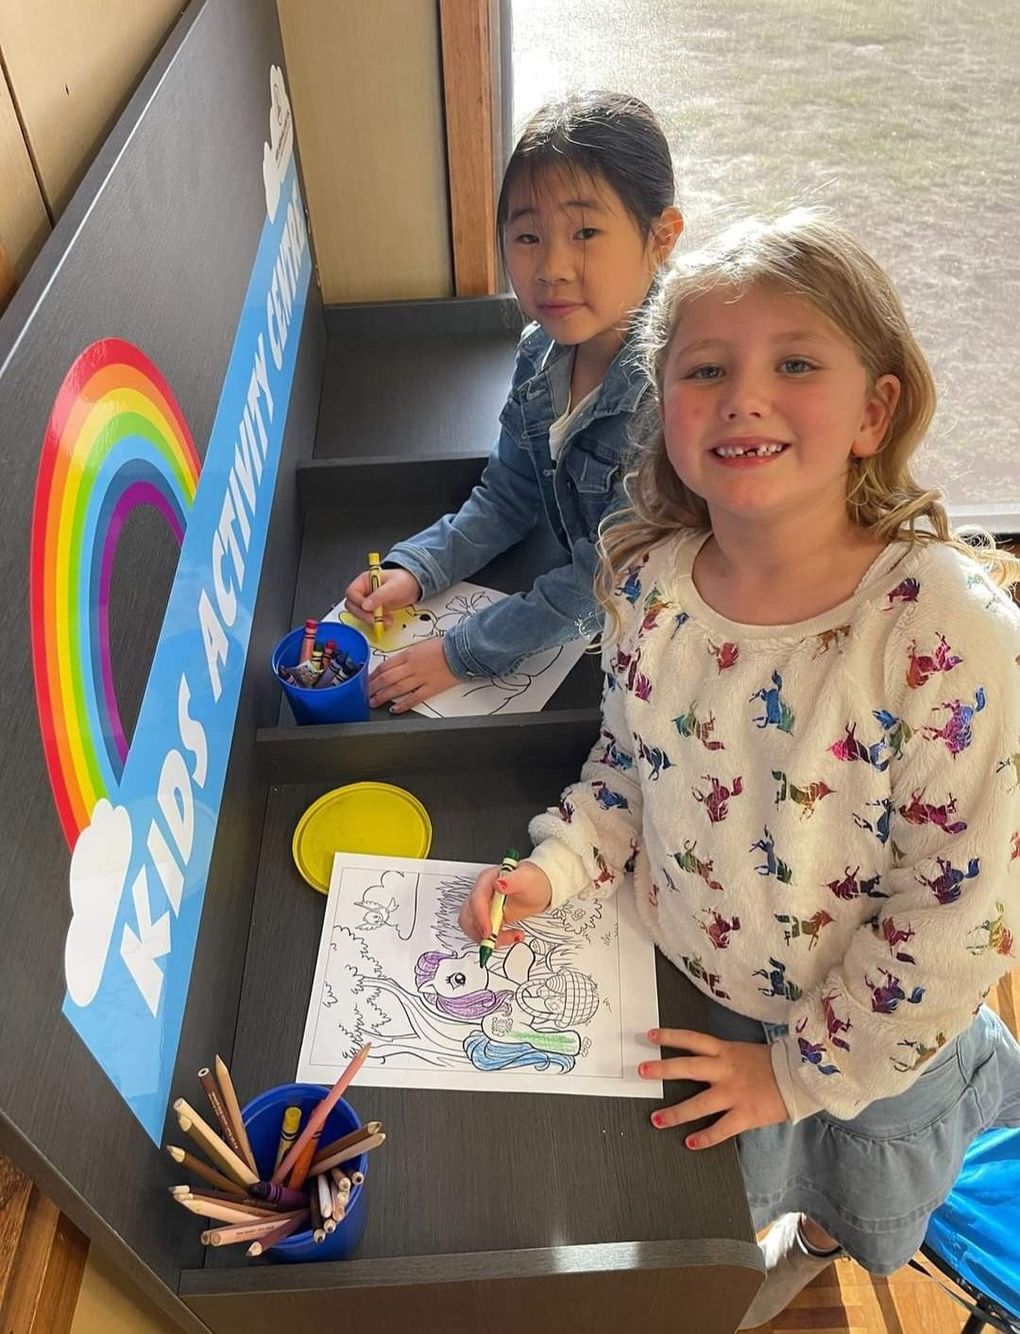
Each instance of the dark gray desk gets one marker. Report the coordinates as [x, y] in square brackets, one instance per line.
[486, 1212]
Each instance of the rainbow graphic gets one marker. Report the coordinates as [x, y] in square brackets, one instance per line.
[116, 439]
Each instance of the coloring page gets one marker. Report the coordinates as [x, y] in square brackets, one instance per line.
[559, 1012]
[527, 690]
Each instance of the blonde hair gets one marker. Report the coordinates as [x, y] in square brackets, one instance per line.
[804, 254]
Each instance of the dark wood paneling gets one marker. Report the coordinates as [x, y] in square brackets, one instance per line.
[400, 381]
[660, 1288]
[412, 744]
[438, 483]
[436, 318]
[156, 247]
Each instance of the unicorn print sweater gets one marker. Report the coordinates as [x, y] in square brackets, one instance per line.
[822, 820]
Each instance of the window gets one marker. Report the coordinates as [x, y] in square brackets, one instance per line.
[903, 118]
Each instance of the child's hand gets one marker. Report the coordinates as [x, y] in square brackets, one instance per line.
[399, 589]
[411, 676]
[740, 1082]
[527, 891]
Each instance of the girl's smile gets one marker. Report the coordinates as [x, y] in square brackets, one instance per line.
[748, 451]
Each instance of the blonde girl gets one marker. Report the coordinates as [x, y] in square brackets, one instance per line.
[809, 753]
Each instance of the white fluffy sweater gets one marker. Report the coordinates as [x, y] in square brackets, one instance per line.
[822, 819]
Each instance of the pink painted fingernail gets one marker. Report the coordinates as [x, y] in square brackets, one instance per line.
[658, 1119]
[691, 1141]
[653, 1035]
[642, 1069]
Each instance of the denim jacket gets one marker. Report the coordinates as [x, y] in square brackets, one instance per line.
[522, 486]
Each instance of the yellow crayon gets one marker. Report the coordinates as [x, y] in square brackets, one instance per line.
[375, 578]
[288, 1133]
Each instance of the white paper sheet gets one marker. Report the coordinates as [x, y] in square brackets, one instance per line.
[527, 690]
[564, 1012]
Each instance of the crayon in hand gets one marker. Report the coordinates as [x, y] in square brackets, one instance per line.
[375, 578]
[511, 858]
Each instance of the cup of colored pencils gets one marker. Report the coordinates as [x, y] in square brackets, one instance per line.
[284, 1175]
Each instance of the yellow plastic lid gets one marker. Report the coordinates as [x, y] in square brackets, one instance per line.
[361, 817]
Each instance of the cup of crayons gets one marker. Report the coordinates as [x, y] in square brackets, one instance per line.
[285, 1175]
[323, 668]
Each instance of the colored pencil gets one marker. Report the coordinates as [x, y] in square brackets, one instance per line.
[355, 1177]
[203, 1170]
[299, 1172]
[281, 1234]
[355, 1151]
[221, 1153]
[321, 1184]
[345, 1142]
[315, 1222]
[234, 1112]
[224, 1213]
[222, 1197]
[229, 1236]
[249, 1206]
[343, 1190]
[205, 1078]
[318, 1117]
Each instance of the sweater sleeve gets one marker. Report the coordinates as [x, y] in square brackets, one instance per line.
[589, 843]
[914, 976]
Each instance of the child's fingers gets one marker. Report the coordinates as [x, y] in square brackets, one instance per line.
[506, 938]
[528, 892]
[687, 1039]
[397, 589]
[700, 1069]
[357, 610]
[474, 915]
[466, 919]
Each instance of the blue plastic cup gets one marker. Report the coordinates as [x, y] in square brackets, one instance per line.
[345, 702]
[263, 1118]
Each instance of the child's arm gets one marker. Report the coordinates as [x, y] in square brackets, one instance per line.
[944, 934]
[560, 606]
[501, 510]
[590, 842]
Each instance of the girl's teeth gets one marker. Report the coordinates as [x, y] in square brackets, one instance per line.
[759, 451]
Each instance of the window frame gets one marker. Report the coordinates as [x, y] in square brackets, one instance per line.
[477, 76]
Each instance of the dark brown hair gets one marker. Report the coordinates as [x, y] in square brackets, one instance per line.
[606, 136]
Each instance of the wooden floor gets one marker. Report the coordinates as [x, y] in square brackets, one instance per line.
[847, 1300]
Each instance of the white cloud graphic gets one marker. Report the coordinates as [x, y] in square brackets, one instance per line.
[276, 154]
[99, 867]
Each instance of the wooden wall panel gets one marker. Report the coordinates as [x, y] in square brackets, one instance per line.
[72, 65]
[468, 78]
[366, 89]
[109, 1304]
[42, 1257]
[24, 223]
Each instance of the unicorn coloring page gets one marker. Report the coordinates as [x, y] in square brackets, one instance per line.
[559, 1012]
[526, 690]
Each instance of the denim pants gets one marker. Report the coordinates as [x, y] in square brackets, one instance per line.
[872, 1182]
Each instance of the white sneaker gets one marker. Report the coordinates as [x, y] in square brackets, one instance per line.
[789, 1266]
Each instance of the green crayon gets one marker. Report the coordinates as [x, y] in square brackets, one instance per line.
[511, 858]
